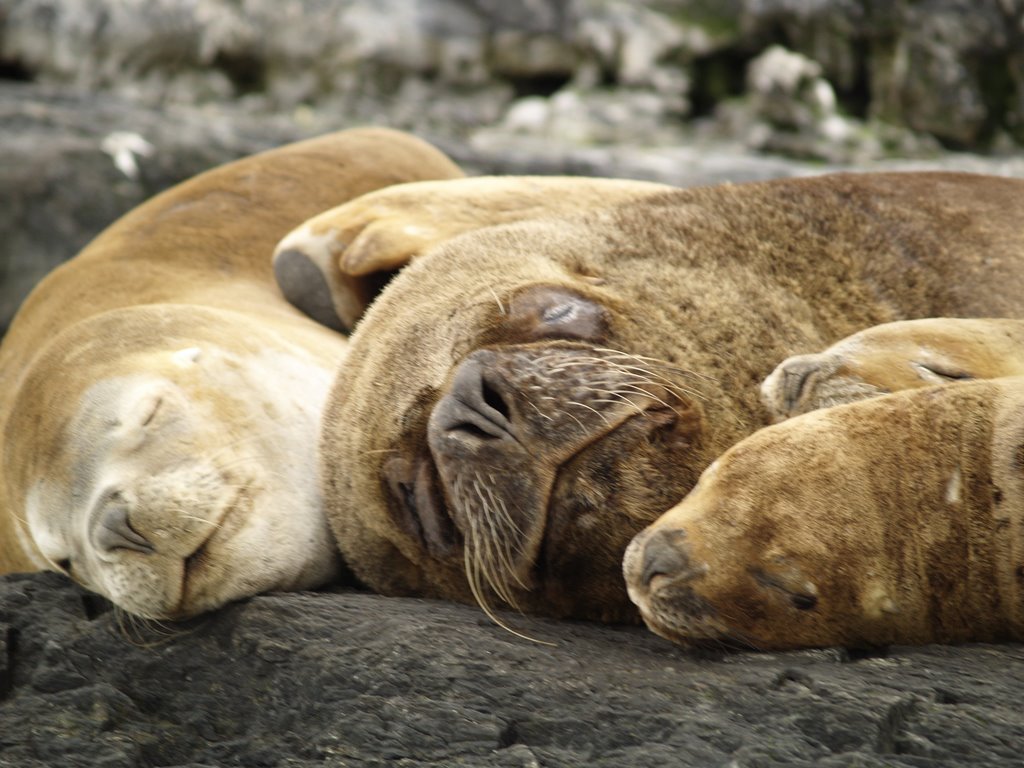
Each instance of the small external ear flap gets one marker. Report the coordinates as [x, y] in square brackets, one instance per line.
[555, 312]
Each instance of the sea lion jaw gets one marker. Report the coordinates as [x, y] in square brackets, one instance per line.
[157, 502]
[510, 419]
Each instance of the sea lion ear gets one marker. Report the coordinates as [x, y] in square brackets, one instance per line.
[555, 312]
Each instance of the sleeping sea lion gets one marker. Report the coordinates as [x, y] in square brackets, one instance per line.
[895, 356]
[895, 520]
[159, 399]
[521, 400]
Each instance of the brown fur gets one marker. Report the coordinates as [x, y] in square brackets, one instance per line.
[191, 264]
[358, 243]
[721, 282]
[895, 356]
[896, 520]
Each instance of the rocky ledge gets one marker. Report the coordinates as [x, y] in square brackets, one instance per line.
[353, 679]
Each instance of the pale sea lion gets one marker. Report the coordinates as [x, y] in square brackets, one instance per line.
[159, 398]
[895, 520]
[521, 400]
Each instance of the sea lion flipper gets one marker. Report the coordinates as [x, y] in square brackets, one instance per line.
[351, 251]
[892, 357]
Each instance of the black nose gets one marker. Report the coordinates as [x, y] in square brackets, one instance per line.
[113, 530]
[474, 406]
[664, 555]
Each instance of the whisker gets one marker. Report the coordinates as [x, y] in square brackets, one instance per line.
[655, 362]
[501, 307]
[589, 408]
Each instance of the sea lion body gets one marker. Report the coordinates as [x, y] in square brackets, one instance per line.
[159, 399]
[521, 400]
[895, 520]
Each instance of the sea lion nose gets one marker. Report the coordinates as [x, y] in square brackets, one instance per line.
[664, 555]
[113, 531]
[474, 406]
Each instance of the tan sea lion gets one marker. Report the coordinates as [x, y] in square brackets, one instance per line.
[333, 265]
[895, 520]
[521, 400]
[895, 356]
[159, 399]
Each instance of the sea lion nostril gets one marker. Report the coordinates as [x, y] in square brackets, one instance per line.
[664, 555]
[473, 406]
[494, 399]
[114, 531]
[804, 602]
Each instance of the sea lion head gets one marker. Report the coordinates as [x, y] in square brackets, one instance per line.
[149, 471]
[507, 419]
[863, 525]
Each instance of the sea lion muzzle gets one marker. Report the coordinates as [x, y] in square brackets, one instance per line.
[510, 418]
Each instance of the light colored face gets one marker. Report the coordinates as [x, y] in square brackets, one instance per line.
[188, 479]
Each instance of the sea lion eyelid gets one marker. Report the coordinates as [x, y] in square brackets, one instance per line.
[938, 373]
[552, 311]
[560, 313]
[151, 411]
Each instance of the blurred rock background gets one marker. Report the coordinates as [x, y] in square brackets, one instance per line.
[105, 102]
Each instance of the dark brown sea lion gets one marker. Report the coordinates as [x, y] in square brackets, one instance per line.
[521, 400]
[159, 399]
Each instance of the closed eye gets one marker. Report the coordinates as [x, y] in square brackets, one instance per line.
[151, 411]
[940, 374]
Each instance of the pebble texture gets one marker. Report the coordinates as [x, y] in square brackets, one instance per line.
[352, 679]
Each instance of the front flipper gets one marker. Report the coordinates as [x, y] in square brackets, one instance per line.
[895, 356]
[333, 265]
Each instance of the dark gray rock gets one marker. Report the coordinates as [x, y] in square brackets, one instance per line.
[947, 68]
[61, 183]
[352, 679]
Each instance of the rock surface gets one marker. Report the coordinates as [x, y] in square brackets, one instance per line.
[352, 679]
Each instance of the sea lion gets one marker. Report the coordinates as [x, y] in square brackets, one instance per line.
[893, 357]
[333, 265]
[895, 520]
[521, 400]
[159, 398]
